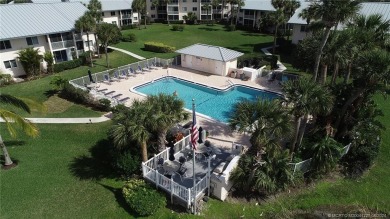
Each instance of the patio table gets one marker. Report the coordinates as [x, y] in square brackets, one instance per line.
[171, 166]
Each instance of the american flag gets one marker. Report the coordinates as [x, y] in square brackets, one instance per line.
[194, 128]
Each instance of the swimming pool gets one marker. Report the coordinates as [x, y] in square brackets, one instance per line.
[214, 103]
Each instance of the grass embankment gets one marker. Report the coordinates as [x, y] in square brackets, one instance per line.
[39, 90]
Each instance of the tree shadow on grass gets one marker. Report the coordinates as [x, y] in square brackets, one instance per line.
[96, 165]
[50, 93]
[120, 199]
[13, 143]
[209, 29]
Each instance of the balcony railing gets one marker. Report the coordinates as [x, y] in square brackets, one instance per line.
[161, 11]
[205, 12]
[126, 15]
[250, 17]
[217, 11]
[173, 12]
[62, 44]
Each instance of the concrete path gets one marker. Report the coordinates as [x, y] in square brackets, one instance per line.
[127, 52]
[68, 120]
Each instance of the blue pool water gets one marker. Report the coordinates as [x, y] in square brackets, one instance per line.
[214, 103]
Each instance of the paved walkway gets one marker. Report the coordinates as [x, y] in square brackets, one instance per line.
[127, 52]
[68, 120]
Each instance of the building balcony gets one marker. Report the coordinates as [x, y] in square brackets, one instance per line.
[78, 37]
[62, 44]
[126, 16]
[249, 17]
[173, 12]
[161, 12]
[205, 12]
[217, 11]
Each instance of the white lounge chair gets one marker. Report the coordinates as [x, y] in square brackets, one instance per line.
[131, 72]
[123, 74]
[106, 79]
[116, 76]
[140, 70]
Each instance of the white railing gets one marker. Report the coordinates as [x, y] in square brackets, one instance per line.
[304, 166]
[62, 44]
[150, 172]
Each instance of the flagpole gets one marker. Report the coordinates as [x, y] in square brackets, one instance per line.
[193, 160]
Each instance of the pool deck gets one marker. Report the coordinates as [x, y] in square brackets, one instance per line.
[220, 133]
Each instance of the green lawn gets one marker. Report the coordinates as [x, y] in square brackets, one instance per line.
[38, 90]
[217, 35]
[63, 174]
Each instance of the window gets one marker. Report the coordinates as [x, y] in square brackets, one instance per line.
[32, 41]
[194, 9]
[135, 18]
[184, 8]
[10, 64]
[60, 56]
[102, 14]
[6, 44]
[112, 13]
[303, 28]
[184, 0]
[114, 22]
[152, 8]
[153, 15]
[194, 0]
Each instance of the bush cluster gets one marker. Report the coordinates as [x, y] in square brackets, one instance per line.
[127, 163]
[249, 60]
[130, 37]
[158, 47]
[177, 27]
[5, 79]
[80, 96]
[62, 66]
[142, 198]
[231, 27]
[128, 27]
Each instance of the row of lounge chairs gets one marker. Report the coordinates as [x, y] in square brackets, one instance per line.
[111, 94]
[126, 73]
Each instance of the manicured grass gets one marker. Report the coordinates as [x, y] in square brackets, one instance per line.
[213, 35]
[39, 90]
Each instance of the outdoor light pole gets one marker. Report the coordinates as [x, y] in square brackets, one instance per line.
[193, 159]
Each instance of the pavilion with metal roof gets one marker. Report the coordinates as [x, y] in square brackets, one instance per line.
[207, 58]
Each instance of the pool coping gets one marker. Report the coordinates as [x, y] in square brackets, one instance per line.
[230, 86]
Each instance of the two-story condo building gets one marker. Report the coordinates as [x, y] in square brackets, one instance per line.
[47, 27]
[253, 11]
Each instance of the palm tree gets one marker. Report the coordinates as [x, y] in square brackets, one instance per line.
[12, 119]
[167, 111]
[30, 59]
[265, 120]
[206, 6]
[372, 71]
[86, 24]
[232, 3]
[108, 33]
[138, 6]
[305, 98]
[215, 4]
[269, 175]
[329, 13]
[155, 4]
[278, 18]
[166, 2]
[95, 9]
[133, 125]
[367, 32]
[325, 155]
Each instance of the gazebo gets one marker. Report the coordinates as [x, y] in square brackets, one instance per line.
[210, 59]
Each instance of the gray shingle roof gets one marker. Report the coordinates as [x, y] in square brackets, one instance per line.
[260, 5]
[367, 8]
[22, 20]
[210, 52]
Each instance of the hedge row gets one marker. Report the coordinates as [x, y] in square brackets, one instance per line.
[62, 66]
[158, 47]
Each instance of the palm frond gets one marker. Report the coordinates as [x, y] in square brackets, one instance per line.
[11, 119]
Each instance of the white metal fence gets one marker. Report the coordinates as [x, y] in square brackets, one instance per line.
[150, 172]
[304, 166]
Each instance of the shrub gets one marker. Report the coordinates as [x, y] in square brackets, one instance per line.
[49, 59]
[232, 27]
[158, 47]
[5, 79]
[178, 27]
[62, 66]
[127, 163]
[30, 60]
[127, 27]
[142, 198]
[130, 37]
[105, 104]
[58, 82]
[73, 94]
